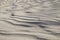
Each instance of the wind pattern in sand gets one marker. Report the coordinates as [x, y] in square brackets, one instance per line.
[29, 19]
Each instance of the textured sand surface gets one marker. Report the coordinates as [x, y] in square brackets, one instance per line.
[29, 19]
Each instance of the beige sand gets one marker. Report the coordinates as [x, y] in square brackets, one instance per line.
[30, 21]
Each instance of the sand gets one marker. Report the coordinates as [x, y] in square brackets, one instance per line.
[29, 20]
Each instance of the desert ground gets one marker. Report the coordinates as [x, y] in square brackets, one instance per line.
[29, 19]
